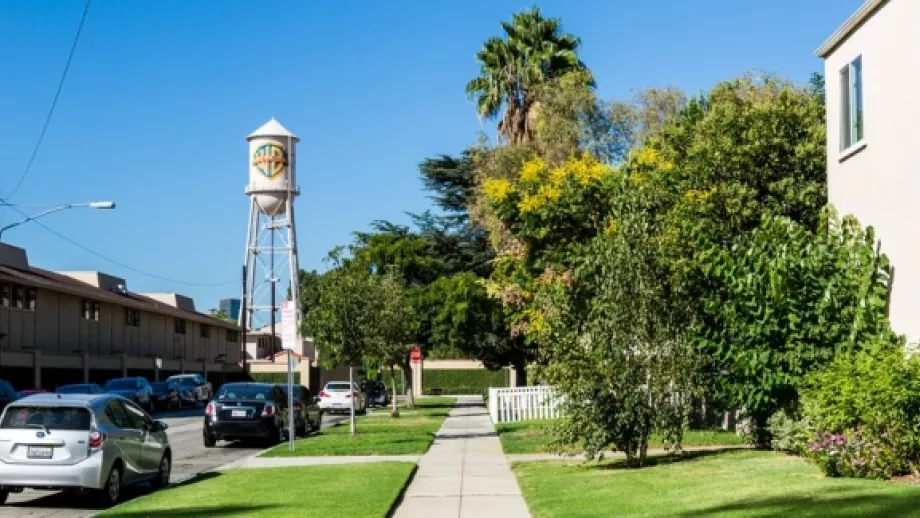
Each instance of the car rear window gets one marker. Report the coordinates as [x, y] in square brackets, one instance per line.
[256, 392]
[121, 384]
[52, 418]
[338, 386]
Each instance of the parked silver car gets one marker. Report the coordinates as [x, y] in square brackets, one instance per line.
[79, 442]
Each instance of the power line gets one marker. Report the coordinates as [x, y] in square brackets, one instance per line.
[113, 261]
[57, 94]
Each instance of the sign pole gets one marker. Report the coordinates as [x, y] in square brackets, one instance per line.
[290, 401]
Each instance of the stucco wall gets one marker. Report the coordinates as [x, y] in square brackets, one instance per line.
[880, 184]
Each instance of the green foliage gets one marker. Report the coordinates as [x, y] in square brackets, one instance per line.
[864, 409]
[788, 433]
[462, 381]
[784, 300]
[273, 377]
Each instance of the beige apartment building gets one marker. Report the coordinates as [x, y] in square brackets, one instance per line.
[71, 327]
[872, 69]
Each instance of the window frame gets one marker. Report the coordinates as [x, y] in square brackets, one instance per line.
[852, 106]
[205, 331]
[6, 295]
[31, 300]
[18, 298]
[132, 317]
[233, 336]
[89, 310]
[179, 326]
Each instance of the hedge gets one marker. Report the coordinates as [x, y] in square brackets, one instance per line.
[462, 381]
[273, 377]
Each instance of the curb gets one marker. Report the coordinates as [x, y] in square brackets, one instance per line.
[402, 493]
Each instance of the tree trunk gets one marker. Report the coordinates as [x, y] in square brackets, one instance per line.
[395, 411]
[520, 374]
[351, 370]
[410, 397]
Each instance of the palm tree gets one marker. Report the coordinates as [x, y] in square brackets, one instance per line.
[533, 52]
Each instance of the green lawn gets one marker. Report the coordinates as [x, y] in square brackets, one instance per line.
[536, 437]
[378, 433]
[320, 491]
[739, 483]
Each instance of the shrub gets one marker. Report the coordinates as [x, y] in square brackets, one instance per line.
[273, 377]
[462, 381]
[863, 412]
[788, 433]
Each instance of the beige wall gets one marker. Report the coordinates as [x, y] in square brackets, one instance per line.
[56, 328]
[880, 183]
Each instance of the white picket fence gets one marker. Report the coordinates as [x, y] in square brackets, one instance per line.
[523, 404]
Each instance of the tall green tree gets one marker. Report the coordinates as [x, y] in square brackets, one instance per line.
[533, 51]
[344, 323]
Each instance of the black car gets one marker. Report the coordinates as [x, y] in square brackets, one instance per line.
[136, 389]
[7, 394]
[377, 393]
[165, 395]
[246, 411]
[307, 415]
[80, 388]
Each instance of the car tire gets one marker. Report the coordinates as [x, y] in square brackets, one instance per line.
[111, 493]
[163, 473]
[301, 431]
[4, 494]
[210, 440]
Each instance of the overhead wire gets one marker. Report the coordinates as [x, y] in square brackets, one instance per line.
[57, 95]
[114, 261]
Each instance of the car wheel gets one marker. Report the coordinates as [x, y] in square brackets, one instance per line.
[209, 440]
[162, 479]
[302, 430]
[109, 495]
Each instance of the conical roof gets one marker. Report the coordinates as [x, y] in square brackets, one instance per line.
[272, 128]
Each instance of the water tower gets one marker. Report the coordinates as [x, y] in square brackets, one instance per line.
[271, 241]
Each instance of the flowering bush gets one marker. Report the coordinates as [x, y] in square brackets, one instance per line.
[857, 454]
[863, 412]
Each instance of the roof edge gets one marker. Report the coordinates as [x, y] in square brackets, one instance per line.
[867, 9]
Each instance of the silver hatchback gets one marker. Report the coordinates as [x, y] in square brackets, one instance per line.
[77, 442]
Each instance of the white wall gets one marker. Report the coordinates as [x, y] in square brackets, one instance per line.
[880, 184]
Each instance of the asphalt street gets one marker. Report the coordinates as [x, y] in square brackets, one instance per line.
[190, 458]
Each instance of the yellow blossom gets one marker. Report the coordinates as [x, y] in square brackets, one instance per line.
[496, 189]
[636, 178]
[611, 228]
[530, 203]
[558, 175]
[549, 192]
[533, 169]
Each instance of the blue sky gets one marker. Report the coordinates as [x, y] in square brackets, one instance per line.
[162, 93]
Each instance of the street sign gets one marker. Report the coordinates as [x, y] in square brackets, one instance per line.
[415, 355]
[289, 328]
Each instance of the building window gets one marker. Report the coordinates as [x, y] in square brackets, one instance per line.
[19, 297]
[851, 104]
[31, 298]
[90, 310]
[132, 317]
[5, 295]
[205, 331]
[233, 336]
[179, 326]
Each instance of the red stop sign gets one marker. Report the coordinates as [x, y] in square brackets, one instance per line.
[415, 355]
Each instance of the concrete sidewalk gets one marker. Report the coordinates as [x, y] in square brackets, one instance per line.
[464, 474]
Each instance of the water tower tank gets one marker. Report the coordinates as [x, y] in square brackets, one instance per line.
[272, 166]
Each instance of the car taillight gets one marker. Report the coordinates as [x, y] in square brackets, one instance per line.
[96, 439]
[354, 394]
[209, 410]
[323, 394]
[268, 410]
[298, 407]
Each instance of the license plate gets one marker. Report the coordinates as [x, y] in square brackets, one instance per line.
[337, 404]
[238, 413]
[40, 452]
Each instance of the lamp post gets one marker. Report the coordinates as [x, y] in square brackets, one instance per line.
[105, 205]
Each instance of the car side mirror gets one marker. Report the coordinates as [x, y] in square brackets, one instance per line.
[159, 426]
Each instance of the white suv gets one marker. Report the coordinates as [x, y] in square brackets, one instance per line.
[337, 396]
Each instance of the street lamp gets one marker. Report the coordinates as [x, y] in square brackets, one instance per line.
[104, 205]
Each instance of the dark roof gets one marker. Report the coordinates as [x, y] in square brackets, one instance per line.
[51, 281]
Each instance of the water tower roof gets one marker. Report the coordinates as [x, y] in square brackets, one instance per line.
[272, 128]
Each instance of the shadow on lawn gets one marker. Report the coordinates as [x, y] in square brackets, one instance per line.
[662, 459]
[850, 506]
[192, 512]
